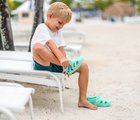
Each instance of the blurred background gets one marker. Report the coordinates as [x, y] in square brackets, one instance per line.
[114, 10]
[84, 11]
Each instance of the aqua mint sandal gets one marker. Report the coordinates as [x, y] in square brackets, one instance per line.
[75, 64]
[98, 101]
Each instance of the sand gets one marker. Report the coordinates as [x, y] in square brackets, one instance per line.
[113, 56]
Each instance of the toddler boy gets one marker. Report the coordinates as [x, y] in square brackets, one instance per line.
[47, 48]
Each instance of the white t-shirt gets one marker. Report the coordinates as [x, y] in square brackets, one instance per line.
[43, 34]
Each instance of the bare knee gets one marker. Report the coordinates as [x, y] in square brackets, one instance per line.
[37, 47]
[83, 68]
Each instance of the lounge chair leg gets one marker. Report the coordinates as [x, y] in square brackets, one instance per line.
[63, 84]
[60, 91]
[6, 112]
[31, 108]
[61, 102]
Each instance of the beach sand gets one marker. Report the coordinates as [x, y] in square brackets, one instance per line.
[113, 57]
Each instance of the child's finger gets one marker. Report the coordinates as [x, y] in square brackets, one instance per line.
[69, 63]
[64, 71]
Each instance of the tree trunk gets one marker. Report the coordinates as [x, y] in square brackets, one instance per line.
[1, 45]
[5, 26]
[37, 18]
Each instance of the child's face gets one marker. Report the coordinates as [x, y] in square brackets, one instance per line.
[55, 23]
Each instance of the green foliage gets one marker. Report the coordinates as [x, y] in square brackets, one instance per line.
[132, 1]
[53, 1]
[10, 5]
[78, 5]
[99, 4]
[102, 4]
[67, 2]
[138, 7]
[13, 5]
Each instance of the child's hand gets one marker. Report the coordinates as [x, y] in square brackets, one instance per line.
[64, 71]
[64, 62]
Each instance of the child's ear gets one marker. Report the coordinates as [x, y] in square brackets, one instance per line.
[50, 15]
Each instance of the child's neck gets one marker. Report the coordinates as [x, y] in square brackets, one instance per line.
[46, 23]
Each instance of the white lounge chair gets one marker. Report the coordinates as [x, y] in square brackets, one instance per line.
[13, 98]
[14, 55]
[71, 49]
[6, 114]
[20, 70]
[22, 56]
[80, 35]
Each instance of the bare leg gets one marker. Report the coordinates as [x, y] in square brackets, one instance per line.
[43, 56]
[83, 84]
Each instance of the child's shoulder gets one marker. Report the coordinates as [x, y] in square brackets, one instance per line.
[41, 25]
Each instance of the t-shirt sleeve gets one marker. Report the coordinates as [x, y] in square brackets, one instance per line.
[62, 42]
[42, 37]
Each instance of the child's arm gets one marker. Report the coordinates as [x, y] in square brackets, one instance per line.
[62, 51]
[63, 60]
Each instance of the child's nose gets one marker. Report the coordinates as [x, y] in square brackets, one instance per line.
[61, 26]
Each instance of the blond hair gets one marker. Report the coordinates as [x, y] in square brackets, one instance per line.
[59, 9]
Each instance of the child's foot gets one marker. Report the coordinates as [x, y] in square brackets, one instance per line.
[87, 104]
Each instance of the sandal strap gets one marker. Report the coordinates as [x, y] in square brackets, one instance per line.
[98, 101]
[102, 103]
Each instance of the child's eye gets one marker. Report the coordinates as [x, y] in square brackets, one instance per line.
[59, 22]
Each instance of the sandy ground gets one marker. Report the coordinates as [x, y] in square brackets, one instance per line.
[113, 56]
